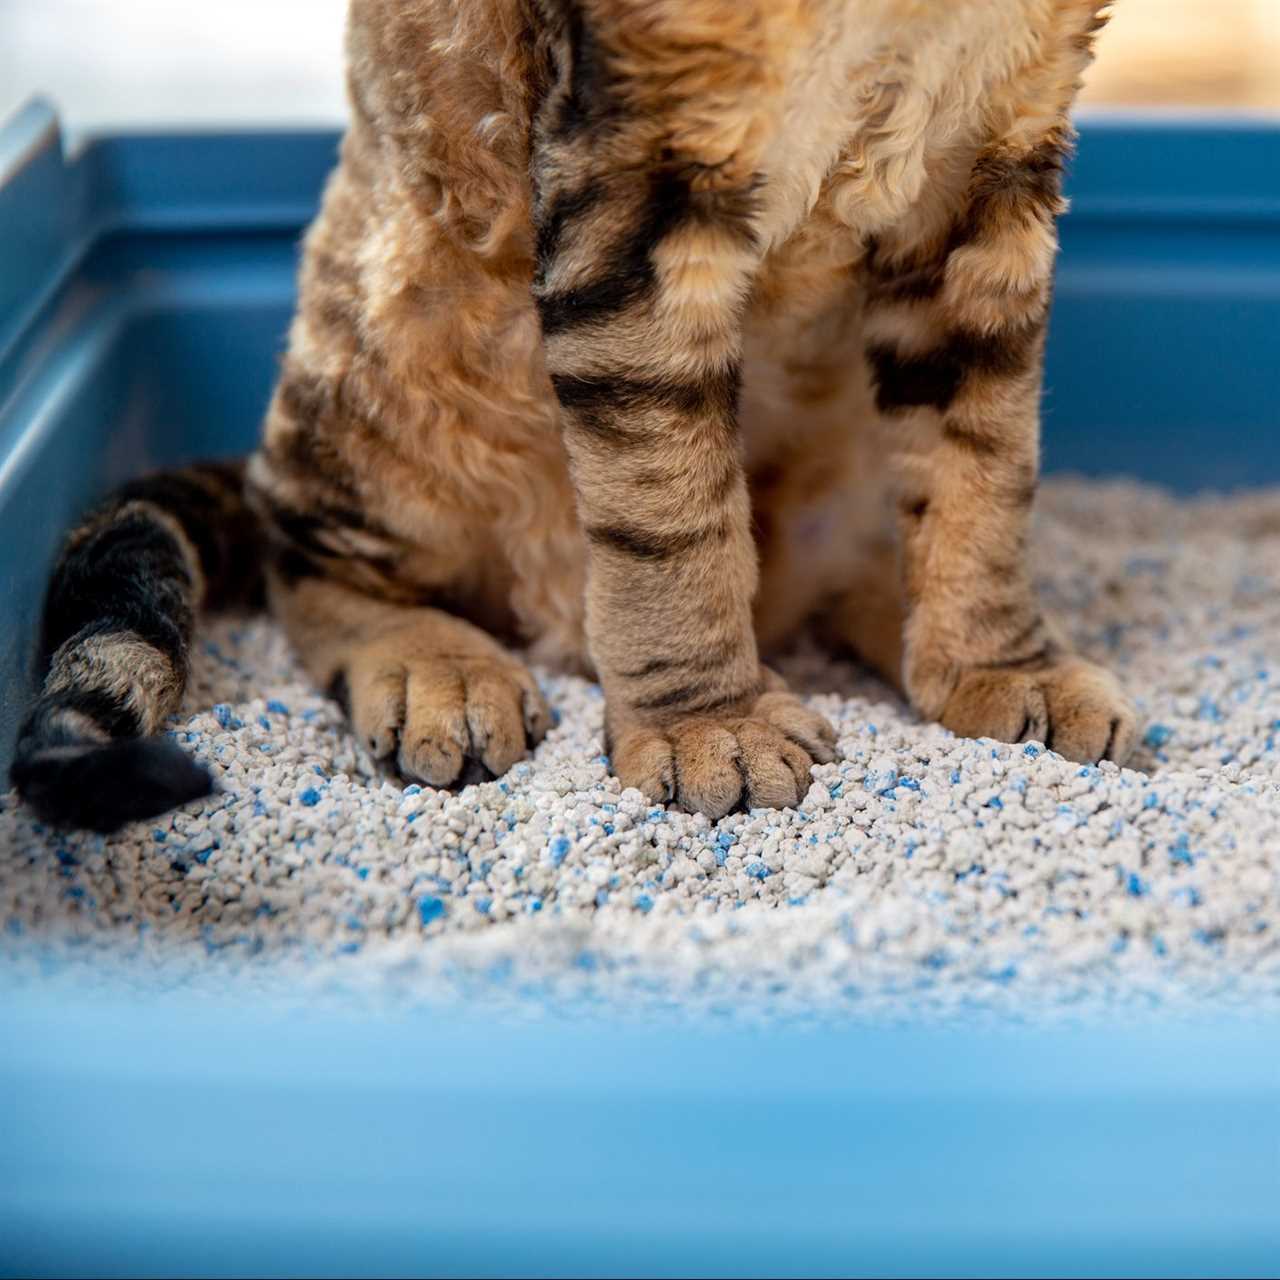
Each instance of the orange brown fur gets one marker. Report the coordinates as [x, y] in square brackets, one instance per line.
[641, 332]
[713, 207]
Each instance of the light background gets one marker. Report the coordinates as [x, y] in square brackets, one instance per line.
[114, 63]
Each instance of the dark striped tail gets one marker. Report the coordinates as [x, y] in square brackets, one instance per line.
[117, 632]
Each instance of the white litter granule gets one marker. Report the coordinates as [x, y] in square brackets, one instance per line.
[922, 871]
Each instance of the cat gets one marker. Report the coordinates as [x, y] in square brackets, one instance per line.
[638, 333]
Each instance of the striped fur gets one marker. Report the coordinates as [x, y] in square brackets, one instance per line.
[644, 331]
[117, 631]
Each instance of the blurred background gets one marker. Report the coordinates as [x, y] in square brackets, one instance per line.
[129, 63]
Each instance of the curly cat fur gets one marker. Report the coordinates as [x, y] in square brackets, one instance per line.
[642, 332]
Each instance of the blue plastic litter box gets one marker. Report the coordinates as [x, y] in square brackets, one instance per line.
[145, 286]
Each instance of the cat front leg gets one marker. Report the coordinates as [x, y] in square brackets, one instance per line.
[955, 340]
[647, 248]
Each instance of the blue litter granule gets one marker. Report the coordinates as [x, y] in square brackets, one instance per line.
[67, 859]
[936, 960]
[277, 708]
[888, 783]
[413, 789]
[1180, 850]
[349, 948]
[955, 776]
[203, 855]
[1031, 751]
[643, 903]
[362, 872]
[1134, 885]
[1005, 975]
[586, 961]
[558, 850]
[430, 909]
[226, 720]
[995, 803]
[1209, 710]
[757, 870]
[264, 722]
[483, 905]
[533, 906]
[602, 896]
[1158, 946]
[310, 797]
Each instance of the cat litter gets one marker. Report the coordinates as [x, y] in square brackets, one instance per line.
[921, 873]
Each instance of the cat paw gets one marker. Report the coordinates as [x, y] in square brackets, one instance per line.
[758, 758]
[1074, 707]
[444, 718]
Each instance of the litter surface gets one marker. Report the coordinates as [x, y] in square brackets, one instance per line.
[922, 874]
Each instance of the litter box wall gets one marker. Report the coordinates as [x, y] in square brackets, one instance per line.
[146, 284]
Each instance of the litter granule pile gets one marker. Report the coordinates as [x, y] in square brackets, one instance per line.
[921, 872]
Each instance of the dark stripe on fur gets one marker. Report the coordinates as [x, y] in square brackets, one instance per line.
[48, 727]
[208, 503]
[598, 404]
[688, 698]
[645, 545]
[706, 660]
[1006, 185]
[976, 441]
[563, 212]
[586, 99]
[915, 279]
[129, 574]
[933, 378]
[912, 382]
[995, 615]
[672, 201]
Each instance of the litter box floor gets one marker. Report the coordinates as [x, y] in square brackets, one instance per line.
[923, 873]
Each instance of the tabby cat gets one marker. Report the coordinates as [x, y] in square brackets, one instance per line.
[638, 333]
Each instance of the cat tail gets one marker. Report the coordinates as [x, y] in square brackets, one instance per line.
[118, 619]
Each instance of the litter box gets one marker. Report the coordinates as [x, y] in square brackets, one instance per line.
[145, 286]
